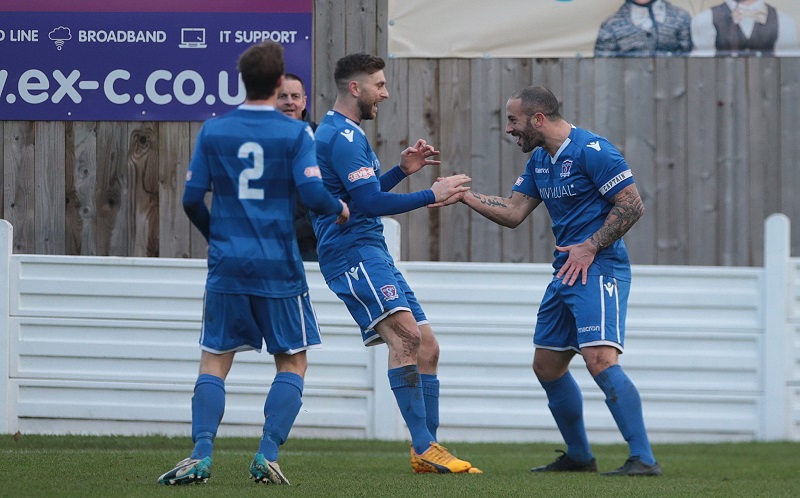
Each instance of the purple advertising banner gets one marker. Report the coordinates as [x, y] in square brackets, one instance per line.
[139, 61]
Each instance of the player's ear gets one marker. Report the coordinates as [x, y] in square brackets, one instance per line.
[355, 88]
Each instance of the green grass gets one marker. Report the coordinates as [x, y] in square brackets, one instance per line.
[79, 466]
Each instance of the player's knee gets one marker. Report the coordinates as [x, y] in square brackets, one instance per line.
[408, 337]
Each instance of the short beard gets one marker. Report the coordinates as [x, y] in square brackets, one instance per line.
[365, 111]
[531, 138]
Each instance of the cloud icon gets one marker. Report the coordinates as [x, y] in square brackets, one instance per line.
[60, 35]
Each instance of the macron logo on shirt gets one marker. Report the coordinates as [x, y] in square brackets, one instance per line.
[594, 145]
[348, 134]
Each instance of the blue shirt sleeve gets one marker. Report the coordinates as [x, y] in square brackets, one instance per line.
[195, 207]
[373, 202]
[318, 199]
[607, 169]
[526, 182]
[308, 178]
[391, 178]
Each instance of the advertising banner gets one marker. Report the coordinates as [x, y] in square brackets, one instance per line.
[593, 28]
[152, 60]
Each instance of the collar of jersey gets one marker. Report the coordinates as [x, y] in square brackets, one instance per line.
[252, 107]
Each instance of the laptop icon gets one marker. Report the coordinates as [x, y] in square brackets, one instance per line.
[193, 38]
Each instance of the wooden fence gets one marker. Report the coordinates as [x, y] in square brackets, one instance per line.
[714, 145]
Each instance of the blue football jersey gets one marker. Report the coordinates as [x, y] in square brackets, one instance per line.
[252, 159]
[576, 187]
[346, 161]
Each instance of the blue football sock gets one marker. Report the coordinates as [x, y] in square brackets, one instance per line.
[625, 404]
[430, 391]
[566, 404]
[407, 389]
[208, 405]
[280, 409]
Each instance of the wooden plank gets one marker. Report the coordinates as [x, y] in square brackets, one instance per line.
[640, 153]
[381, 25]
[702, 192]
[391, 126]
[488, 125]
[570, 91]
[549, 73]
[329, 46]
[518, 243]
[174, 153]
[763, 164]
[113, 190]
[198, 243]
[734, 125]
[418, 241]
[670, 113]
[609, 103]
[362, 32]
[49, 163]
[455, 132]
[789, 126]
[584, 85]
[80, 183]
[143, 166]
[19, 183]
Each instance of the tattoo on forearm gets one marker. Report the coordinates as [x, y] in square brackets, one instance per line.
[626, 211]
[490, 201]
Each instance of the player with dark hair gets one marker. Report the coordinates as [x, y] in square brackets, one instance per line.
[589, 192]
[255, 161]
[355, 260]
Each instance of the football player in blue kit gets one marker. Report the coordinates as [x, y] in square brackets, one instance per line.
[254, 160]
[355, 260]
[589, 192]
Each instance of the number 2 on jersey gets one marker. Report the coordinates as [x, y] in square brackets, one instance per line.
[247, 150]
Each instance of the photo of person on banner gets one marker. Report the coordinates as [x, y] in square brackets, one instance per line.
[744, 28]
[645, 28]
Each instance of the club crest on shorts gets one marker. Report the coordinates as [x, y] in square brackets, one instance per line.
[389, 292]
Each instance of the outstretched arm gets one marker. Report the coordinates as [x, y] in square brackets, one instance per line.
[628, 208]
[506, 211]
[371, 201]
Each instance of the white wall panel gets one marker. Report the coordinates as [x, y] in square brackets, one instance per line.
[109, 346]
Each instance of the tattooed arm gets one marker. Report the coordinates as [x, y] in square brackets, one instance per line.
[627, 210]
[506, 211]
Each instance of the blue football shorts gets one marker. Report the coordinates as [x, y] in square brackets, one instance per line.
[577, 316]
[373, 290]
[241, 322]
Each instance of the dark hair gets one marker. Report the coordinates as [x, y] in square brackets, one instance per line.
[353, 65]
[538, 99]
[292, 76]
[261, 67]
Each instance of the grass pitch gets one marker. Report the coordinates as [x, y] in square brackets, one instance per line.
[80, 466]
